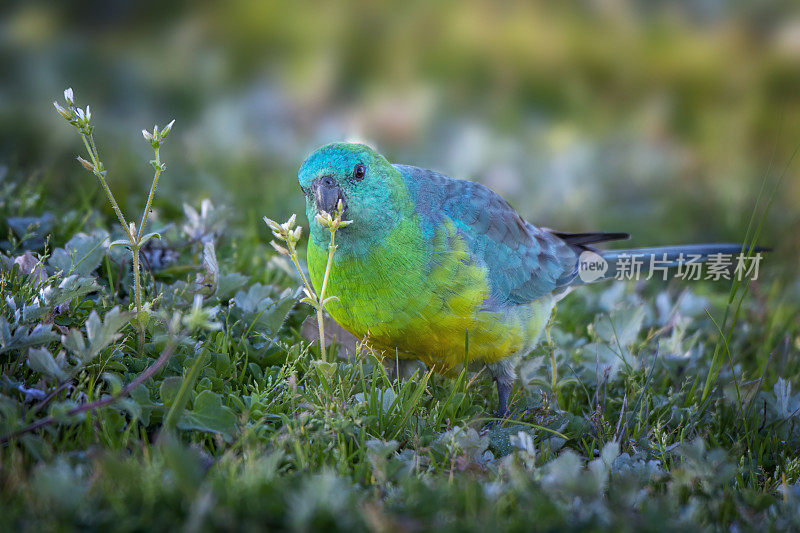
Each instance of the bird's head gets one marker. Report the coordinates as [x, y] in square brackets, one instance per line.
[370, 188]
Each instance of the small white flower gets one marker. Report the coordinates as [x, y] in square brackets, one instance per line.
[68, 95]
[147, 135]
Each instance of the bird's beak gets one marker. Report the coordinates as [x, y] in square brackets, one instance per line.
[326, 194]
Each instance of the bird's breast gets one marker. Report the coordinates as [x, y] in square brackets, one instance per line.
[423, 297]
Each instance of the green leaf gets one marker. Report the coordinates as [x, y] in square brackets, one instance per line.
[208, 414]
[131, 406]
[82, 254]
[24, 336]
[184, 391]
[71, 287]
[33, 312]
[120, 242]
[327, 370]
[140, 320]
[102, 333]
[141, 395]
[74, 341]
[60, 411]
[99, 334]
[463, 440]
[259, 308]
[169, 389]
[228, 284]
[620, 327]
[385, 398]
[149, 236]
[41, 360]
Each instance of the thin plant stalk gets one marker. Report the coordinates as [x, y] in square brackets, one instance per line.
[287, 233]
[136, 237]
[97, 170]
[158, 169]
[320, 324]
[318, 310]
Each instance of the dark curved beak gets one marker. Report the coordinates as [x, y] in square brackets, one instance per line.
[326, 194]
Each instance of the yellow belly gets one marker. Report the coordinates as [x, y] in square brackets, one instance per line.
[409, 304]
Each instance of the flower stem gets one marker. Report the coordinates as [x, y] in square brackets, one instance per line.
[310, 289]
[96, 162]
[321, 307]
[150, 196]
[137, 284]
[296, 261]
[133, 240]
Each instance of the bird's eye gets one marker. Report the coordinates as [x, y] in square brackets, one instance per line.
[359, 171]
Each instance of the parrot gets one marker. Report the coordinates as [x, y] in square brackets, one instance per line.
[444, 270]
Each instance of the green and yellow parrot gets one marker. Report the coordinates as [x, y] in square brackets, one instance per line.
[430, 261]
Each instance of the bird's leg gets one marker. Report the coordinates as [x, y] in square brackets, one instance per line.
[504, 375]
[503, 393]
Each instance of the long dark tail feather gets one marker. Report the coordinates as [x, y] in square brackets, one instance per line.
[581, 240]
[667, 256]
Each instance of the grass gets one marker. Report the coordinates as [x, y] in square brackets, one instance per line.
[241, 423]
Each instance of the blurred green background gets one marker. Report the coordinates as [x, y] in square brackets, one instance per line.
[659, 118]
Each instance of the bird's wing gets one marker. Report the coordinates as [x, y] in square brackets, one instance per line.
[523, 262]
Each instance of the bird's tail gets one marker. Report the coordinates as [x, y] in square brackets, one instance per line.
[645, 263]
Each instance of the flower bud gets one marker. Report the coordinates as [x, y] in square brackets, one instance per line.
[278, 248]
[167, 129]
[87, 165]
[61, 111]
[272, 225]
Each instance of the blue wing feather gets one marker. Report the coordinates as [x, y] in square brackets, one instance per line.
[523, 262]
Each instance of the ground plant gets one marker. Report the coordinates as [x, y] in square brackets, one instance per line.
[165, 379]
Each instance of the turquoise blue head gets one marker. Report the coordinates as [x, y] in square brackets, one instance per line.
[370, 188]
